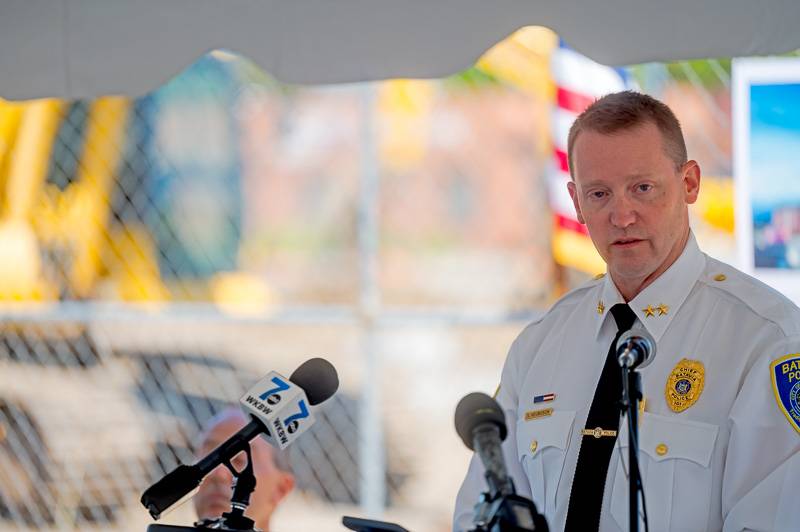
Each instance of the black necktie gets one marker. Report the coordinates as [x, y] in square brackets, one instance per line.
[586, 498]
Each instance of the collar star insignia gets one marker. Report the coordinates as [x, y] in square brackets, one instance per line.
[649, 311]
[662, 309]
[600, 307]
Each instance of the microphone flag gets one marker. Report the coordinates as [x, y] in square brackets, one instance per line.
[281, 406]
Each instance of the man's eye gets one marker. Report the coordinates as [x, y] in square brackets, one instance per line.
[644, 187]
[597, 194]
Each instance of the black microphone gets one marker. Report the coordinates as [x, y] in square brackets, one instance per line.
[481, 425]
[316, 377]
[635, 349]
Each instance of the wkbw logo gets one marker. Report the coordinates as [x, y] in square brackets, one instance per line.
[273, 397]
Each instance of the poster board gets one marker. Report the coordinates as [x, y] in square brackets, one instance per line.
[766, 167]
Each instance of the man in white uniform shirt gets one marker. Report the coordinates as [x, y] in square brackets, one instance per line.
[720, 432]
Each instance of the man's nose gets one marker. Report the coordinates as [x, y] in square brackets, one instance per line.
[623, 213]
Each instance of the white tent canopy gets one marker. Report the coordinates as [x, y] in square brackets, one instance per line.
[87, 48]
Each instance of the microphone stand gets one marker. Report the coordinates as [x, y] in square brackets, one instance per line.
[500, 509]
[234, 520]
[631, 395]
[507, 513]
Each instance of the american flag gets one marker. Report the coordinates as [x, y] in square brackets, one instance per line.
[544, 398]
[579, 81]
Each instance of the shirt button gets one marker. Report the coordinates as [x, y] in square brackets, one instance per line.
[661, 449]
[534, 445]
[720, 277]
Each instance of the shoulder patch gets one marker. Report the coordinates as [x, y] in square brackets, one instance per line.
[785, 374]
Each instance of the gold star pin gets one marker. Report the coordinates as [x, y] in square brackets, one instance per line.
[662, 309]
[649, 311]
[600, 307]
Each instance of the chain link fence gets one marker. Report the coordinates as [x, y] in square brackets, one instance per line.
[158, 256]
[93, 412]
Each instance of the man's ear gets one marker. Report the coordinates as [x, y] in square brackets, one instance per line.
[691, 180]
[285, 485]
[573, 193]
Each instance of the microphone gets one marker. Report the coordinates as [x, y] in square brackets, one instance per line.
[481, 425]
[635, 349]
[279, 411]
[281, 405]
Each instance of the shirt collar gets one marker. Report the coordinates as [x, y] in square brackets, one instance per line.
[656, 305]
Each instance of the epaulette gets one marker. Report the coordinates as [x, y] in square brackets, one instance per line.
[763, 300]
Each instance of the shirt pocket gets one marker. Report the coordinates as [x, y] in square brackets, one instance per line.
[675, 462]
[542, 446]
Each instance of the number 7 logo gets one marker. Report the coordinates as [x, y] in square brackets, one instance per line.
[280, 386]
[293, 422]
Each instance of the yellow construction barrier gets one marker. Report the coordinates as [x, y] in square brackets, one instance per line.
[26, 158]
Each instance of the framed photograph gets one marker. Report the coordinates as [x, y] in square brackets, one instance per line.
[766, 167]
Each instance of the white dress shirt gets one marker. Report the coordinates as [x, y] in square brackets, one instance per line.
[728, 461]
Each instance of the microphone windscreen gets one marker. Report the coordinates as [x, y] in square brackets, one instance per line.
[318, 378]
[476, 409]
[642, 341]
